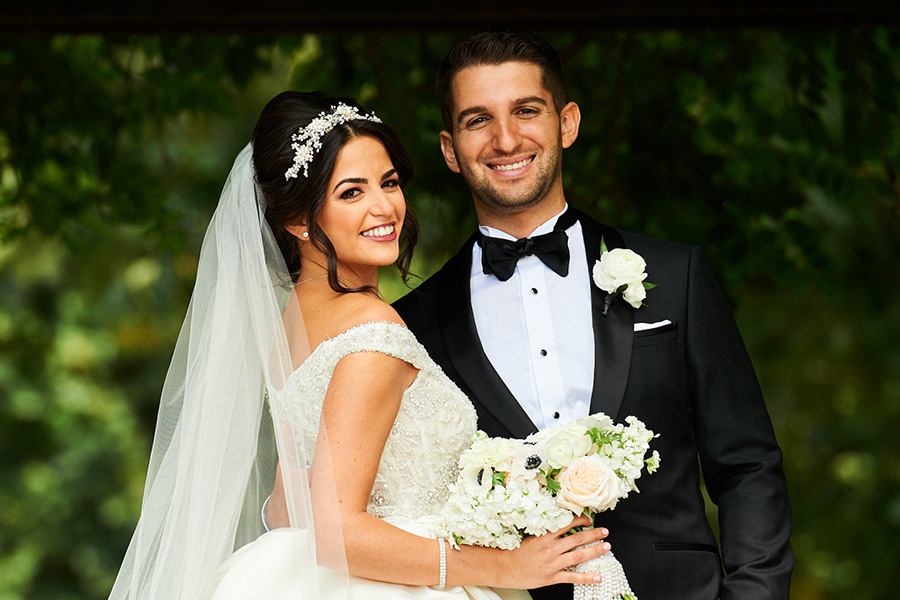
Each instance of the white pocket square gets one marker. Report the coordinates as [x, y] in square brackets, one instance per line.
[645, 326]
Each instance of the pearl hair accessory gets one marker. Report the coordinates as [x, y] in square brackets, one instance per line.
[308, 140]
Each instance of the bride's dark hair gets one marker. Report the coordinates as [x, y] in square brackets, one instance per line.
[300, 199]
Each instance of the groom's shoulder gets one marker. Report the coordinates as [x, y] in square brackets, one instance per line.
[419, 310]
[418, 307]
[449, 277]
[642, 244]
[418, 297]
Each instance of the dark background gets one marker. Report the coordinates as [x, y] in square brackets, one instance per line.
[766, 133]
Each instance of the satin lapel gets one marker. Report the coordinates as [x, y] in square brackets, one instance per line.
[613, 334]
[457, 323]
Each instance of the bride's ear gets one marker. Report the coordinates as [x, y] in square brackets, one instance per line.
[298, 231]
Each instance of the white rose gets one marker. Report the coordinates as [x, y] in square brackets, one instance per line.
[568, 444]
[618, 267]
[634, 294]
[588, 483]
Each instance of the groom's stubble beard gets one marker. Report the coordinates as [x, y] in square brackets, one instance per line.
[515, 202]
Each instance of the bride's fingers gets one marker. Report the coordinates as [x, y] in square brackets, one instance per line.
[579, 578]
[580, 555]
[581, 521]
[588, 536]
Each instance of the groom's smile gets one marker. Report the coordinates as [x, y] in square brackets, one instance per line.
[509, 166]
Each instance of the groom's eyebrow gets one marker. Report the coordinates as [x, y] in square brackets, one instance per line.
[469, 111]
[530, 100]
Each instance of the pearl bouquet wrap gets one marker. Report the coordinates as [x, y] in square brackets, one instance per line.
[614, 585]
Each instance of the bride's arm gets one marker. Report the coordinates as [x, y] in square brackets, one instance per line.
[360, 406]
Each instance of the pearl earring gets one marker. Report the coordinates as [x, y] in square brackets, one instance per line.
[305, 234]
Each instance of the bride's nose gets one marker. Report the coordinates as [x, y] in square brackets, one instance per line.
[381, 204]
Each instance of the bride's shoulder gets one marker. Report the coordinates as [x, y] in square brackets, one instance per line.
[359, 309]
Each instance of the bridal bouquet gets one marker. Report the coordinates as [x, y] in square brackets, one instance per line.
[509, 488]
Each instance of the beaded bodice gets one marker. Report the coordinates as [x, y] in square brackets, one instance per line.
[435, 422]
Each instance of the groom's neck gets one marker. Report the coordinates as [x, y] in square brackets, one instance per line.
[522, 223]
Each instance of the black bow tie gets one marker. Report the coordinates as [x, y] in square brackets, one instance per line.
[499, 256]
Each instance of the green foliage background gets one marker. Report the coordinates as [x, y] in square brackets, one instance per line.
[775, 151]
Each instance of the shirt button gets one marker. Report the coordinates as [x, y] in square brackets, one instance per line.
[543, 352]
[556, 415]
[534, 291]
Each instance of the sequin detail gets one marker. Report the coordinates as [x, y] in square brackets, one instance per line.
[435, 422]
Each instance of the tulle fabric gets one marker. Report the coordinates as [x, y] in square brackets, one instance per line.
[216, 445]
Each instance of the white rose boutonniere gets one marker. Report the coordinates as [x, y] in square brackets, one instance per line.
[621, 271]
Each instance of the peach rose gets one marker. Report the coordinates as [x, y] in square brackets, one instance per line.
[589, 483]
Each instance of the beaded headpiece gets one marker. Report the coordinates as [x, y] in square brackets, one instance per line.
[308, 140]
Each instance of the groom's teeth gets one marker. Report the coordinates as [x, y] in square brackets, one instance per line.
[513, 166]
[379, 231]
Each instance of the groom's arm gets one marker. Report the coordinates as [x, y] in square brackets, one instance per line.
[741, 460]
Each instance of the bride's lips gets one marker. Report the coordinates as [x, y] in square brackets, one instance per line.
[511, 167]
[381, 233]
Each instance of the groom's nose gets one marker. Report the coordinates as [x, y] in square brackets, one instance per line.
[506, 136]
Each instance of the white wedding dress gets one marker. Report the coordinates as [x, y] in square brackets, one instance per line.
[435, 423]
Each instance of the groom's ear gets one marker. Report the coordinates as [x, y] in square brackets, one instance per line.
[448, 151]
[569, 122]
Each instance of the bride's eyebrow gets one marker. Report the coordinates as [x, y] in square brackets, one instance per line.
[361, 180]
[390, 173]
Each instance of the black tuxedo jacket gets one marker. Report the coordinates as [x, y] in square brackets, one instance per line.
[691, 382]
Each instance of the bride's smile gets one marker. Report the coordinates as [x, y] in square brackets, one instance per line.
[383, 233]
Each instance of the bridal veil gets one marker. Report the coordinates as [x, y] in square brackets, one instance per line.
[216, 444]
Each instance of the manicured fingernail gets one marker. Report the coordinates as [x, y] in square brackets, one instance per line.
[606, 546]
[597, 578]
[604, 531]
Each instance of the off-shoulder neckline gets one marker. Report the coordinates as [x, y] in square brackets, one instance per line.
[330, 341]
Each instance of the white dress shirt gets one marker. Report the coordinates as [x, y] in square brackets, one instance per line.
[536, 330]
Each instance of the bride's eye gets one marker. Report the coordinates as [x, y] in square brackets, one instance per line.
[350, 193]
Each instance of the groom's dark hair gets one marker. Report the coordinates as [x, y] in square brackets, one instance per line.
[495, 47]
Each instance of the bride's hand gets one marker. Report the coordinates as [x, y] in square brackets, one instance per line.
[541, 560]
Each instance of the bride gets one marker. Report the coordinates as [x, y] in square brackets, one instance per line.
[363, 430]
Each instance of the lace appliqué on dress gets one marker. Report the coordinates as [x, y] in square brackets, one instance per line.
[435, 422]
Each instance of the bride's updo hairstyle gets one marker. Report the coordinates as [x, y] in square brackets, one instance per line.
[291, 201]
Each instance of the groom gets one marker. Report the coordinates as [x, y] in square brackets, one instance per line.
[534, 343]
